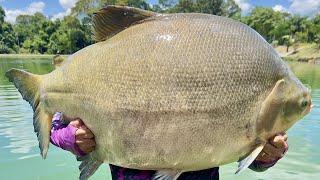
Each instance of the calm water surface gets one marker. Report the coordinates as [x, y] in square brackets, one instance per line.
[19, 152]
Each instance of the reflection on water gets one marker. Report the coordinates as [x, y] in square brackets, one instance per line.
[12, 116]
[14, 111]
[19, 147]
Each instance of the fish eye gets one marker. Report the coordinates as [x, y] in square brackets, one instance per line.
[304, 104]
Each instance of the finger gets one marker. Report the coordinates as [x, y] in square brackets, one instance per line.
[84, 127]
[273, 151]
[87, 150]
[76, 123]
[264, 157]
[84, 133]
[280, 142]
[85, 144]
[285, 137]
[282, 134]
[88, 135]
[81, 131]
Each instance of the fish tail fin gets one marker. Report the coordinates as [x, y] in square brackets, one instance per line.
[27, 84]
[29, 87]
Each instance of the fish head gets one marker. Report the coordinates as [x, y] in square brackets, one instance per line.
[296, 102]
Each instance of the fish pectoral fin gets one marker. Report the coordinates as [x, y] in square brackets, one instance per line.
[110, 20]
[88, 166]
[271, 108]
[166, 175]
[244, 163]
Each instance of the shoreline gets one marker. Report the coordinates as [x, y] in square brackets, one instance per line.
[311, 60]
[28, 56]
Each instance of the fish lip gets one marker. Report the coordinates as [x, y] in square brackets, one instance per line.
[310, 108]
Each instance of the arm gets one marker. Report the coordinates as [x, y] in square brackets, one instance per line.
[273, 151]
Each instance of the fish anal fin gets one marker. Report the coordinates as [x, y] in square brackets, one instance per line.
[166, 175]
[42, 126]
[88, 166]
[113, 19]
[246, 162]
[271, 108]
[29, 87]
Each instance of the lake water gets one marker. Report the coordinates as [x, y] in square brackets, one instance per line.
[19, 152]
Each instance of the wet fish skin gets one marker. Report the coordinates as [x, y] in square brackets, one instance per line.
[180, 91]
[154, 83]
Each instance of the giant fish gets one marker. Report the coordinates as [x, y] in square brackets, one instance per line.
[169, 92]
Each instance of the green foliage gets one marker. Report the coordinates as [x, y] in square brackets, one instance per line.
[317, 40]
[38, 34]
[265, 21]
[217, 7]
[71, 36]
[2, 15]
[87, 7]
[7, 36]
[288, 41]
[7, 39]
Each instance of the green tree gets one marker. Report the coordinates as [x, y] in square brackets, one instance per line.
[215, 7]
[165, 4]
[7, 35]
[2, 15]
[288, 41]
[34, 28]
[231, 9]
[7, 39]
[71, 36]
[264, 21]
[317, 40]
[87, 7]
[183, 6]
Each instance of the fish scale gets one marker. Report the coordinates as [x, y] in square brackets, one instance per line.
[146, 83]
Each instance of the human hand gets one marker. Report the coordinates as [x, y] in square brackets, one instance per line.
[74, 137]
[84, 138]
[274, 150]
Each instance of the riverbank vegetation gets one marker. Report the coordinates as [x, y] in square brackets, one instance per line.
[38, 34]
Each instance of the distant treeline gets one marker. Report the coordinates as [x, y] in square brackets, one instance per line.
[38, 34]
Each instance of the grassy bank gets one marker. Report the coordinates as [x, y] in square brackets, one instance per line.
[301, 53]
[28, 56]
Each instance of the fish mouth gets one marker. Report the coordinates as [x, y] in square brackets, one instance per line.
[311, 106]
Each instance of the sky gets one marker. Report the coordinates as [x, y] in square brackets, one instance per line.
[59, 8]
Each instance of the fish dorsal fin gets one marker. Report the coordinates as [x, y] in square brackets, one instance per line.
[113, 19]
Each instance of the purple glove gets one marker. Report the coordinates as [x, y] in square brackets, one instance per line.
[63, 135]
